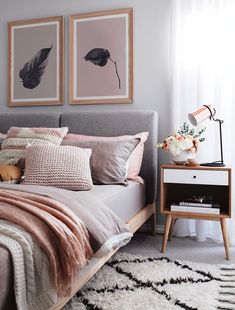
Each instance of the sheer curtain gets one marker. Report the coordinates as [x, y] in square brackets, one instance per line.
[203, 72]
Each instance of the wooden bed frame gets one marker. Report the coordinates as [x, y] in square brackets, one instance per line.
[96, 262]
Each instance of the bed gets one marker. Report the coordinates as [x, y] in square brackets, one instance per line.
[134, 204]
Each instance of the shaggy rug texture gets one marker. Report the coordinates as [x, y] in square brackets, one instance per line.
[128, 282]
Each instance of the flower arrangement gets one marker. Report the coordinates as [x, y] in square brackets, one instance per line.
[185, 139]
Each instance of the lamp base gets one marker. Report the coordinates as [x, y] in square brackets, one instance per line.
[213, 164]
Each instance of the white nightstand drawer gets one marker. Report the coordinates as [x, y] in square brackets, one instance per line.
[183, 176]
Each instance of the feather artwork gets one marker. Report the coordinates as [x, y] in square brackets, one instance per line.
[100, 57]
[34, 69]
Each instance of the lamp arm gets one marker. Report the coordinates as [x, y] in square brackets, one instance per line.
[221, 138]
[213, 114]
[220, 121]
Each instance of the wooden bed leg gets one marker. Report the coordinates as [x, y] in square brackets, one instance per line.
[154, 221]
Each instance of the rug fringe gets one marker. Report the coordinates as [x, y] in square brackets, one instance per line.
[227, 301]
[227, 291]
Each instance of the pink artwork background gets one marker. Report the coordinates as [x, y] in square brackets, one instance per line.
[27, 42]
[93, 80]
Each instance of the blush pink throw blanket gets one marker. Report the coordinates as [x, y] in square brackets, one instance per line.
[59, 233]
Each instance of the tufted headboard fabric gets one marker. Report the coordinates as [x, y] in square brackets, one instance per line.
[100, 123]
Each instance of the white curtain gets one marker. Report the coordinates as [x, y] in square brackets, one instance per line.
[203, 72]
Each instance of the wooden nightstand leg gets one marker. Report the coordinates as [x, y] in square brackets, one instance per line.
[166, 232]
[154, 222]
[172, 227]
[225, 237]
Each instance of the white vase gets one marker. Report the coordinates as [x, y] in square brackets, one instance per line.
[183, 157]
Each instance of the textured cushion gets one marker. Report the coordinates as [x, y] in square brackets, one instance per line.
[108, 159]
[2, 138]
[59, 166]
[18, 139]
[10, 174]
[136, 156]
[1, 142]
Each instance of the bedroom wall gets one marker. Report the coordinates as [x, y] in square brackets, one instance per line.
[151, 52]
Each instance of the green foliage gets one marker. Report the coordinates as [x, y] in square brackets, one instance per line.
[186, 130]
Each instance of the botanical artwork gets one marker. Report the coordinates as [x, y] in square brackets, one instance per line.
[33, 70]
[36, 62]
[101, 57]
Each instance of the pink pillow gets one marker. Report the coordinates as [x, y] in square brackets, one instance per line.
[135, 159]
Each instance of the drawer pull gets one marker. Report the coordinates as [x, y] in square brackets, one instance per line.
[194, 177]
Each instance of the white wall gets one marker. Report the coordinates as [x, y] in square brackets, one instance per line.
[151, 51]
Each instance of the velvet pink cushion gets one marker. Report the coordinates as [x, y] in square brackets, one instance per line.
[135, 160]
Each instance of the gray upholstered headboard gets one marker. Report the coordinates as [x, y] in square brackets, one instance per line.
[115, 123]
[28, 120]
[104, 123]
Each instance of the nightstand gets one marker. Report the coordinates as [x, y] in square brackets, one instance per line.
[178, 183]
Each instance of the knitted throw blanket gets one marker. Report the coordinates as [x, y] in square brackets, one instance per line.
[58, 232]
[32, 286]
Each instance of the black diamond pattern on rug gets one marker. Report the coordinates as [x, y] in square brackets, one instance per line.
[128, 282]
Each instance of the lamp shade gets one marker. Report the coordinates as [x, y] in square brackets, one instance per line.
[200, 115]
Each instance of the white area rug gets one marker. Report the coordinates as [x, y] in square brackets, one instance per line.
[130, 282]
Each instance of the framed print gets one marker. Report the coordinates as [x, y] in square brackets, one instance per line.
[36, 62]
[101, 57]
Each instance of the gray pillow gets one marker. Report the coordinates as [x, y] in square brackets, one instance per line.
[109, 160]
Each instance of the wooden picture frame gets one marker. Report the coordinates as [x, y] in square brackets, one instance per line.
[36, 62]
[101, 57]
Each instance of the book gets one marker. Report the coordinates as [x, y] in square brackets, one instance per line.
[179, 208]
[196, 204]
